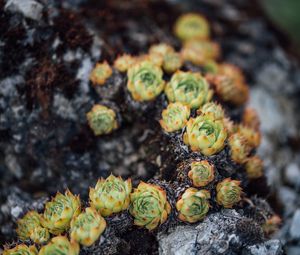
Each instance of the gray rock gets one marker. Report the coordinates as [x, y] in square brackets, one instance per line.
[292, 174]
[271, 247]
[220, 233]
[293, 250]
[295, 226]
[29, 8]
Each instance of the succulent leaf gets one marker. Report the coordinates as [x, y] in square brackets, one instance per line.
[201, 173]
[200, 52]
[205, 134]
[111, 195]
[193, 205]
[102, 120]
[149, 206]
[175, 117]
[188, 88]
[254, 167]
[29, 227]
[240, 149]
[228, 192]
[59, 212]
[87, 227]
[100, 73]
[60, 245]
[21, 249]
[145, 81]
[191, 26]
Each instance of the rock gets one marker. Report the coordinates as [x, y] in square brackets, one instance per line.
[288, 198]
[293, 250]
[225, 232]
[295, 226]
[29, 8]
[271, 247]
[292, 174]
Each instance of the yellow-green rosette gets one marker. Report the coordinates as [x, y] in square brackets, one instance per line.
[239, 147]
[102, 120]
[161, 48]
[60, 245]
[175, 117]
[59, 212]
[172, 62]
[111, 195]
[188, 88]
[228, 192]
[29, 227]
[123, 62]
[100, 73]
[201, 173]
[21, 249]
[149, 206]
[214, 110]
[200, 52]
[252, 136]
[193, 205]
[254, 167]
[87, 227]
[205, 134]
[145, 81]
[191, 26]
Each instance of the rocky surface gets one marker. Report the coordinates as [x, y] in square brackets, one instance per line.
[43, 133]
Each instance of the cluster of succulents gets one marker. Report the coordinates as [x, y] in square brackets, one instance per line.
[202, 126]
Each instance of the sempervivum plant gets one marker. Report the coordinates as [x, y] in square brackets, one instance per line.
[100, 73]
[214, 110]
[201, 173]
[200, 52]
[149, 206]
[102, 120]
[60, 245]
[87, 227]
[145, 81]
[174, 117]
[111, 195]
[188, 88]
[122, 63]
[29, 227]
[192, 26]
[228, 192]
[59, 212]
[205, 134]
[254, 167]
[21, 249]
[239, 148]
[193, 205]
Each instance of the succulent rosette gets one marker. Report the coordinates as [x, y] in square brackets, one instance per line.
[100, 73]
[239, 147]
[29, 227]
[145, 81]
[188, 88]
[21, 249]
[193, 205]
[191, 26]
[205, 134]
[200, 52]
[111, 195]
[228, 192]
[230, 85]
[201, 173]
[102, 120]
[251, 119]
[59, 212]
[87, 227]
[254, 167]
[214, 110]
[124, 62]
[252, 136]
[149, 206]
[172, 62]
[175, 117]
[60, 245]
[161, 48]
